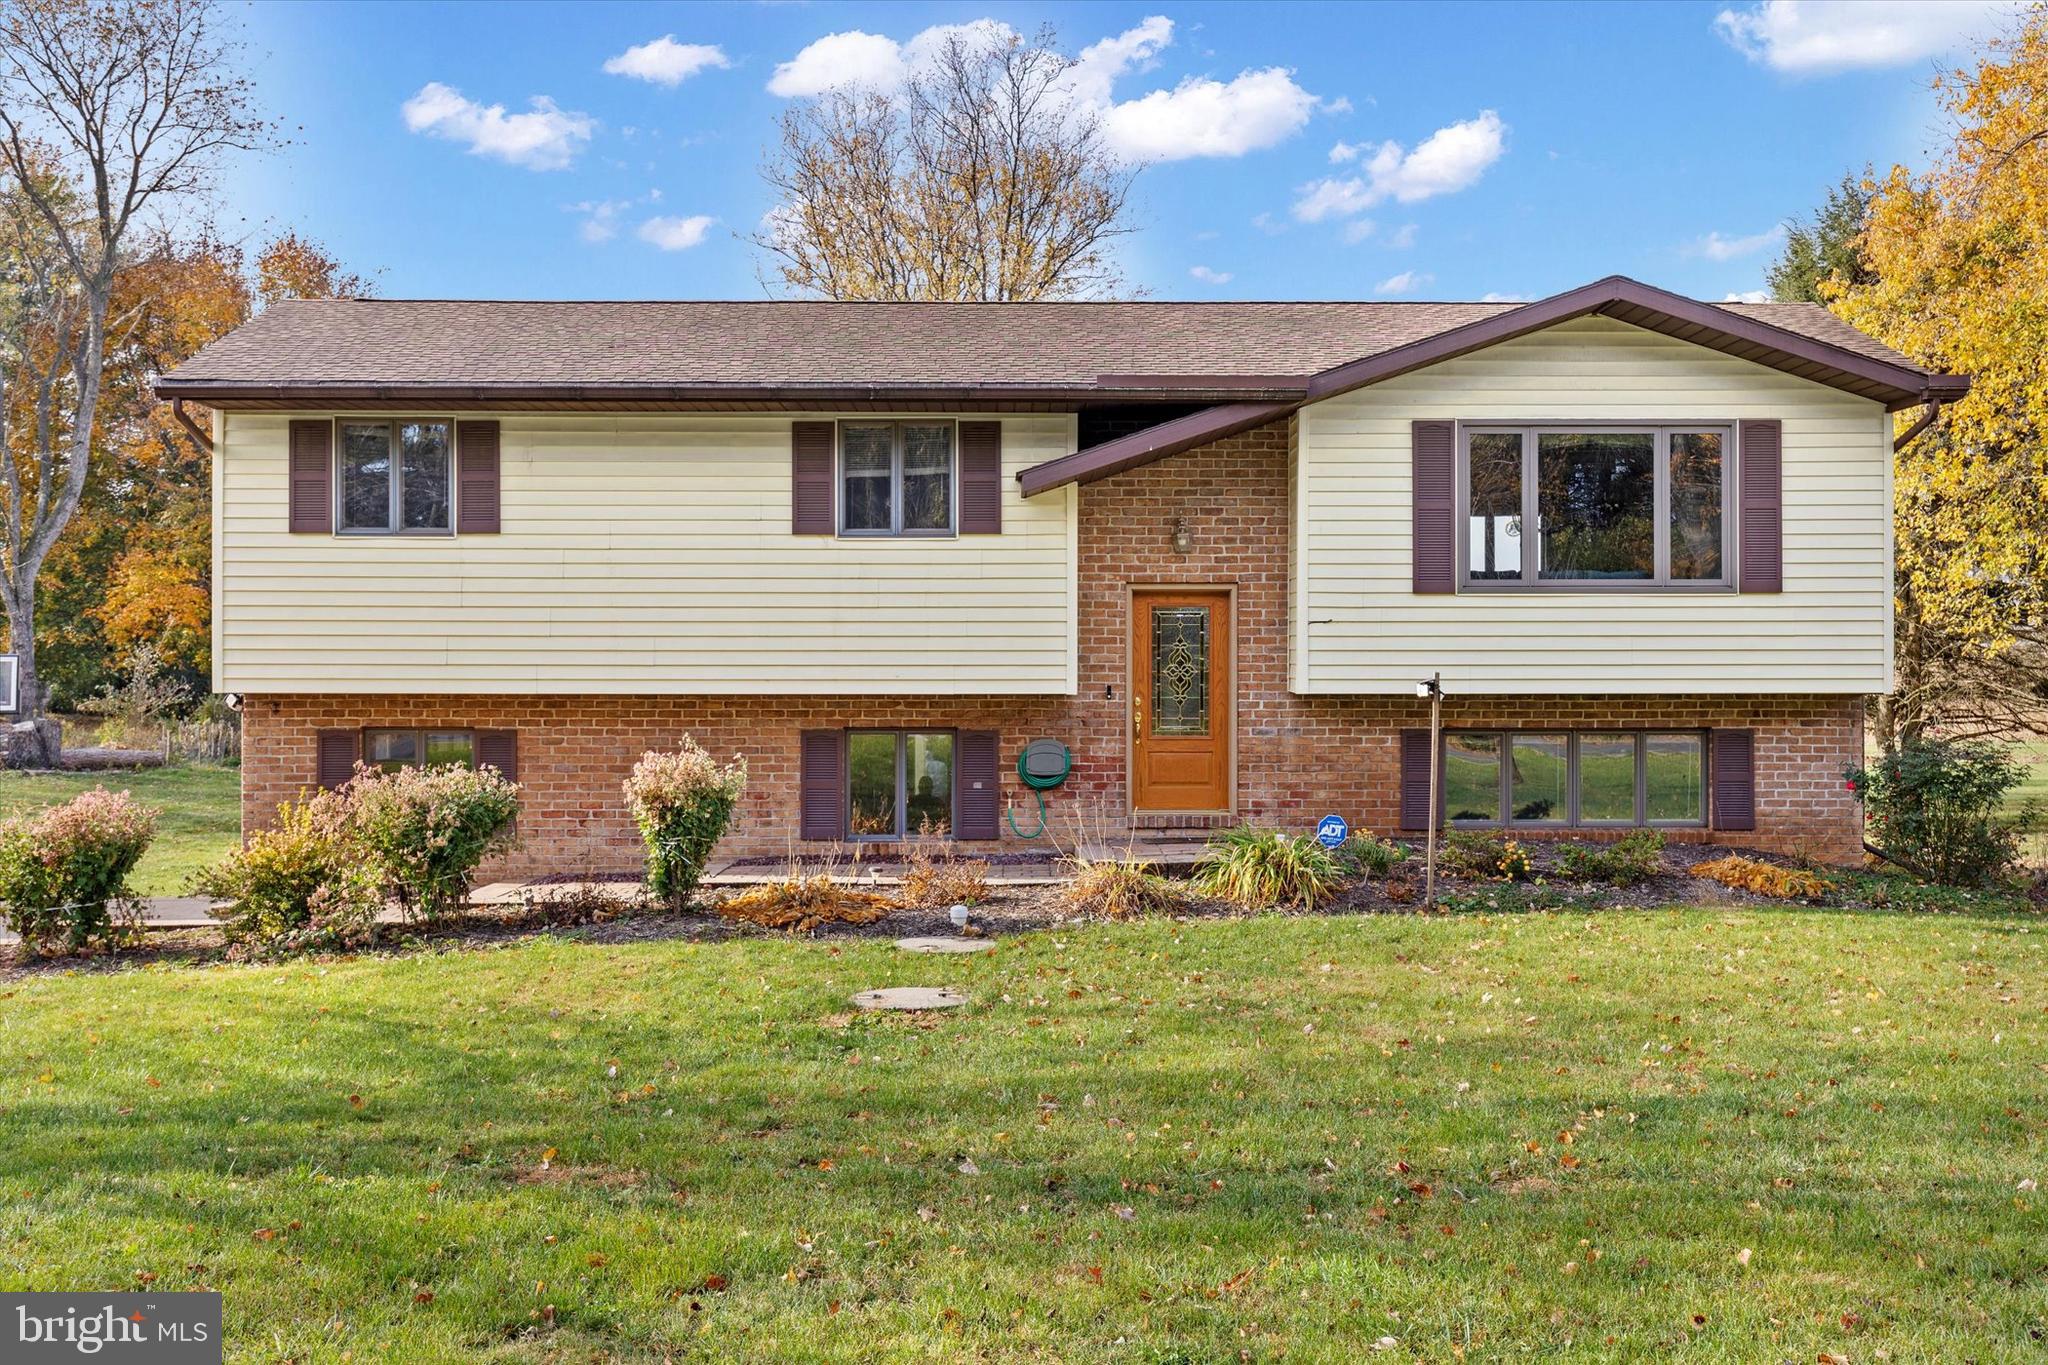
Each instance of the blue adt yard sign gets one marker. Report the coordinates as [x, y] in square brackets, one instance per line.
[1332, 832]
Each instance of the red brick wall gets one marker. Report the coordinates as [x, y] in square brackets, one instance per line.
[1298, 757]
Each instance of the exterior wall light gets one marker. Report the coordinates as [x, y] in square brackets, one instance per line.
[1182, 541]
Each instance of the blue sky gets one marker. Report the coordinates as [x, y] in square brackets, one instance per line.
[1290, 151]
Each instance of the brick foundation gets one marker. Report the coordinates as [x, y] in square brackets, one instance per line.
[1297, 757]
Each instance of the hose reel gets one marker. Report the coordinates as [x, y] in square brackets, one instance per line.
[1043, 765]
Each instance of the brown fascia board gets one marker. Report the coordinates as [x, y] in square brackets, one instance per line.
[1217, 389]
[1153, 443]
[1898, 385]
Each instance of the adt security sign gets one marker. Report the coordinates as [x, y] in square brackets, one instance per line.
[1332, 832]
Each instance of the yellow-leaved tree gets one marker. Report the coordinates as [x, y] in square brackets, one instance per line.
[1957, 279]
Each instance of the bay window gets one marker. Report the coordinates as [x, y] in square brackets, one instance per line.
[1591, 505]
[1582, 778]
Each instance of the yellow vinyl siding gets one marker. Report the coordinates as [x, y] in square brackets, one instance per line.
[641, 554]
[1359, 628]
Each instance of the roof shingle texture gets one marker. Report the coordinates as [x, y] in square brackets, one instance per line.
[479, 342]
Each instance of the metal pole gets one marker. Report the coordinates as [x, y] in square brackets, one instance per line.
[1436, 723]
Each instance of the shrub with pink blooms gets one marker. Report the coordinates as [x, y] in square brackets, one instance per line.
[682, 800]
[426, 830]
[64, 871]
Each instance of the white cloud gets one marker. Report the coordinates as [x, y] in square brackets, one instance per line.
[1450, 159]
[1813, 37]
[1491, 297]
[1201, 116]
[1204, 117]
[1358, 229]
[1403, 238]
[1268, 224]
[676, 234]
[546, 138]
[665, 61]
[1407, 282]
[1345, 151]
[1208, 276]
[600, 218]
[1715, 247]
[1748, 296]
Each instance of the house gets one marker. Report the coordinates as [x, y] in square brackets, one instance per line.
[1209, 547]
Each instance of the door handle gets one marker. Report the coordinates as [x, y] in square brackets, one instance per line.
[1137, 719]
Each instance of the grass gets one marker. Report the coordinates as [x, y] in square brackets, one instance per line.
[201, 816]
[1707, 1135]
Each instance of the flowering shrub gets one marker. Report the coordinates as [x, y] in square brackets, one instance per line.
[682, 800]
[1935, 807]
[64, 871]
[425, 830]
[304, 884]
[1514, 862]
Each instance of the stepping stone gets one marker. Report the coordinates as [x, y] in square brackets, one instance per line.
[946, 945]
[910, 998]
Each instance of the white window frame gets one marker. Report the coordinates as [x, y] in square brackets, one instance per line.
[1660, 579]
[896, 528]
[394, 512]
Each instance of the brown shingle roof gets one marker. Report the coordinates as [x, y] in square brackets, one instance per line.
[471, 344]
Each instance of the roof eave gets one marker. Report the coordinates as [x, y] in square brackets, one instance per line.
[1112, 389]
[1152, 443]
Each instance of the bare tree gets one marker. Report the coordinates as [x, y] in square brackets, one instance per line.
[110, 111]
[984, 178]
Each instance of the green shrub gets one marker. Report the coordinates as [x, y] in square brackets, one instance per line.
[64, 870]
[1514, 861]
[1367, 856]
[1934, 807]
[424, 830]
[303, 884]
[1257, 868]
[1628, 861]
[1469, 853]
[682, 800]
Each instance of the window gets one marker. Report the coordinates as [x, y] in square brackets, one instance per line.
[899, 784]
[397, 478]
[1606, 505]
[896, 478]
[394, 749]
[1594, 777]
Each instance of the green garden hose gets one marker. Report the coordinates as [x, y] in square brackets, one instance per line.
[1036, 772]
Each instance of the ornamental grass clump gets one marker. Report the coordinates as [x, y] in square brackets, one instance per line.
[303, 884]
[682, 800]
[1765, 879]
[1119, 888]
[1259, 868]
[803, 902]
[64, 871]
[425, 830]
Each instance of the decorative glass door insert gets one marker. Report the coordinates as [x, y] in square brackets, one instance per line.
[1180, 670]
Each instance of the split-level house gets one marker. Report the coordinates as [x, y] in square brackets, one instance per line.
[1210, 548]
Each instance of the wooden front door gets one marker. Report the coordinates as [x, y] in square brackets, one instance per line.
[1180, 701]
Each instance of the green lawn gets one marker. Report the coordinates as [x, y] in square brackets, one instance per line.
[1698, 1135]
[201, 814]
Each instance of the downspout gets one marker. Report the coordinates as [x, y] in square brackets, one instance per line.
[205, 438]
[1924, 421]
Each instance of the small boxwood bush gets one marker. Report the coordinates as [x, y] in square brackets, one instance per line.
[1628, 861]
[1365, 855]
[64, 871]
[682, 800]
[1936, 807]
[1258, 868]
[425, 830]
[303, 884]
[1469, 853]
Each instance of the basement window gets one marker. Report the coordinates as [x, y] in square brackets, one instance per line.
[1578, 779]
[899, 784]
[391, 750]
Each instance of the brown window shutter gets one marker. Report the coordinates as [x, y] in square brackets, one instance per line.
[1435, 454]
[1760, 530]
[311, 478]
[1734, 779]
[981, 479]
[1415, 779]
[810, 479]
[476, 491]
[821, 784]
[335, 761]
[499, 749]
[977, 786]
